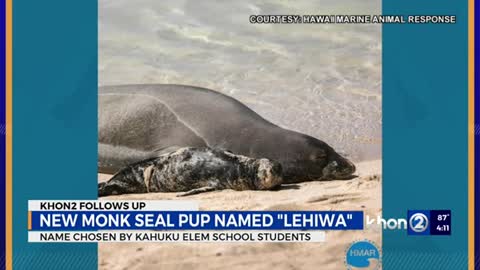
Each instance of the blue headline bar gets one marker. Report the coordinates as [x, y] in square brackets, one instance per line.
[195, 220]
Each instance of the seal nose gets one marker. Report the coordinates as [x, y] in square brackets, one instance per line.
[340, 168]
[350, 167]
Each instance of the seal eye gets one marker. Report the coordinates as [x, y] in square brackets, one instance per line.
[317, 156]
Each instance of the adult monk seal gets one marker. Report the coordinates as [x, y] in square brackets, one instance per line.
[138, 122]
[194, 170]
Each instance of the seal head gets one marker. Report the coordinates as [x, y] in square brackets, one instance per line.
[314, 160]
[269, 174]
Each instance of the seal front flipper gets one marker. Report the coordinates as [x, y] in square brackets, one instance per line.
[113, 158]
[167, 150]
[147, 176]
[196, 191]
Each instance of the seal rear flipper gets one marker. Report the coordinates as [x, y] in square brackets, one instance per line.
[196, 191]
[101, 189]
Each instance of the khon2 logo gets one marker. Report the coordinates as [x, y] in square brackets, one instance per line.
[418, 222]
[363, 254]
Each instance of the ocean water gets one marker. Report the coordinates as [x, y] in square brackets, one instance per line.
[322, 80]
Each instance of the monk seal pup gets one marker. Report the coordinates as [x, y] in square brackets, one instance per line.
[194, 170]
[138, 122]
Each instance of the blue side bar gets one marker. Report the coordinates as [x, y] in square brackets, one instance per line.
[55, 120]
[425, 131]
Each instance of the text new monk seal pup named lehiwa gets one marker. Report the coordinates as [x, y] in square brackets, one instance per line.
[194, 170]
[139, 122]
